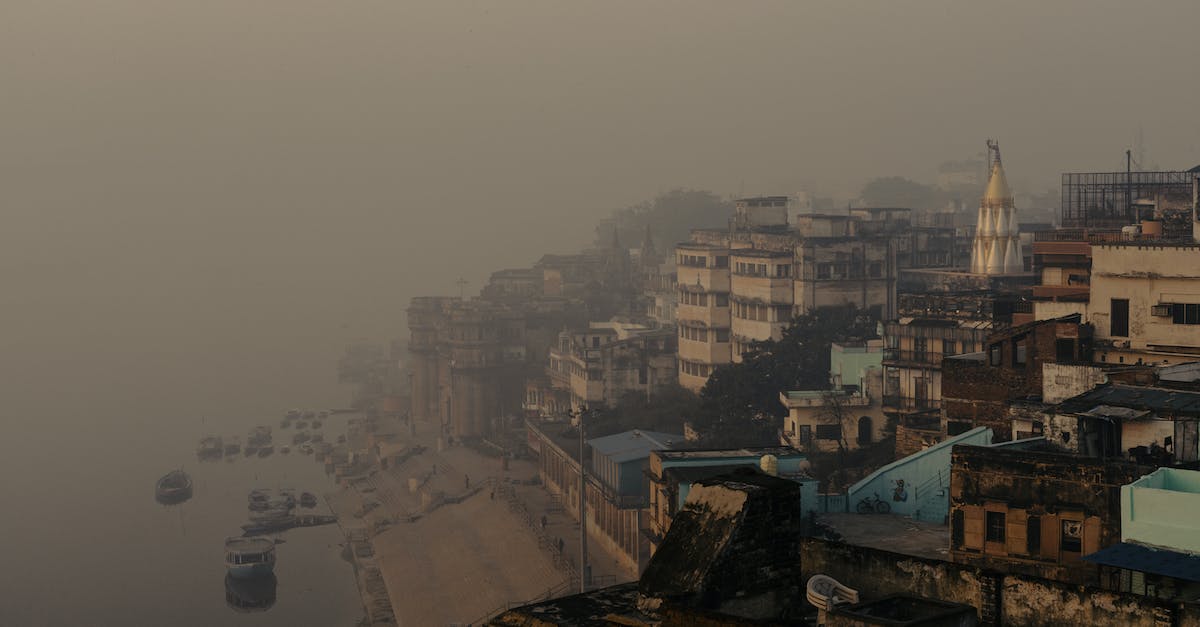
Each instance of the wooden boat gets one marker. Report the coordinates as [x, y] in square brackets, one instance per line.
[173, 487]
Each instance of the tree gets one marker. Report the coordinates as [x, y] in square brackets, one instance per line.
[665, 411]
[740, 403]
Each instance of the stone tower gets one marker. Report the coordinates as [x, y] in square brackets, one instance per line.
[997, 245]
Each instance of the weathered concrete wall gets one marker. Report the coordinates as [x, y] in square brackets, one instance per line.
[1001, 599]
[1053, 488]
[1062, 381]
[912, 439]
[1036, 602]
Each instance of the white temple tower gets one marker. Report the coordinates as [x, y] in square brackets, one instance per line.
[997, 246]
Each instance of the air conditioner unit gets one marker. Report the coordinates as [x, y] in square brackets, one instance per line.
[1121, 343]
[1161, 311]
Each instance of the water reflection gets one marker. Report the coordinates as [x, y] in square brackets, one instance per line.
[250, 595]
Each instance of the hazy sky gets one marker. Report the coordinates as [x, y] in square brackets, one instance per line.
[238, 188]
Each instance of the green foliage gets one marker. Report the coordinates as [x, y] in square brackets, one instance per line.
[664, 411]
[740, 405]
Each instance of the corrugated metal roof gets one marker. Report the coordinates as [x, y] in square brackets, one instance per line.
[1145, 559]
[635, 444]
[1162, 401]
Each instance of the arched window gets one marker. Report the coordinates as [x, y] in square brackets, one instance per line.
[864, 430]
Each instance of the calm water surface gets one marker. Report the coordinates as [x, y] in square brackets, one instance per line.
[85, 543]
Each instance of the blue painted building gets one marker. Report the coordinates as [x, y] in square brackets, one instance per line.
[918, 485]
[620, 460]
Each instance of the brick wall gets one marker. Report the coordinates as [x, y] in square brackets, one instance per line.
[914, 439]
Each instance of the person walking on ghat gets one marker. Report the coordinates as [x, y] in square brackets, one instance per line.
[560, 545]
[467, 482]
[543, 521]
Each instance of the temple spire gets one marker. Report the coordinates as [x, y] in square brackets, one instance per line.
[997, 245]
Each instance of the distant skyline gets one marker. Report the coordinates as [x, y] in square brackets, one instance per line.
[184, 182]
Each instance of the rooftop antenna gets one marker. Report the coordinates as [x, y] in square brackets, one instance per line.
[462, 284]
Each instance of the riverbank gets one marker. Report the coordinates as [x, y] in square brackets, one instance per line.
[451, 534]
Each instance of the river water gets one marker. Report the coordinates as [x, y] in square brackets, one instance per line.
[85, 543]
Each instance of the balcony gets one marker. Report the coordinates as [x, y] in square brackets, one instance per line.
[1062, 292]
[904, 403]
[898, 357]
[1086, 236]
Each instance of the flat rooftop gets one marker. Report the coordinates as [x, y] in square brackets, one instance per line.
[888, 532]
[717, 453]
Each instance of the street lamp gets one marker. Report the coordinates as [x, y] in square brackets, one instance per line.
[585, 578]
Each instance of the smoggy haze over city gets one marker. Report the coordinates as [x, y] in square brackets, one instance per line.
[242, 188]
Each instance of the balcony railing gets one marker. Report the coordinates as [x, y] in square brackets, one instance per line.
[910, 404]
[913, 357]
[1078, 235]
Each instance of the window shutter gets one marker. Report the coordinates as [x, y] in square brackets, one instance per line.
[973, 527]
[1014, 536]
[1091, 535]
[1050, 533]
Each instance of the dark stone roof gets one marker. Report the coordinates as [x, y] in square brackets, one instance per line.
[702, 532]
[1162, 401]
[691, 474]
[589, 608]
[1145, 559]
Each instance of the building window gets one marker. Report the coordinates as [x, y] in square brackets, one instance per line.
[1019, 346]
[722, 335]
[829, 432]
[1064, 350]
[1033, 535]
[805, 434]
[721, 300]
[1072, 535]
[876, 269]
[864, 430]
[920, 348]
[995, 526]
[956, 529]
[1118, 323]
[721, 261]
[948, 347]
[994, 353]
[1182, 313]
[824, 270]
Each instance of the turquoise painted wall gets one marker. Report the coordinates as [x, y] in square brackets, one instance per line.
[1163, 509]
[917, 485]
[852, 363]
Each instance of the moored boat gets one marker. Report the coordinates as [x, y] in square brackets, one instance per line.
[266, 451]
[250, 595]
[247, 558]
[285, 449]
[232, 448]
[210, 446]
[308, 499]
[173, 487]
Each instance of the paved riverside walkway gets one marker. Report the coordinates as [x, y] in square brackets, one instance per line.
[472, 547]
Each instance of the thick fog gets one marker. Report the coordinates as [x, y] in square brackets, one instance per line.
[208, 200]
